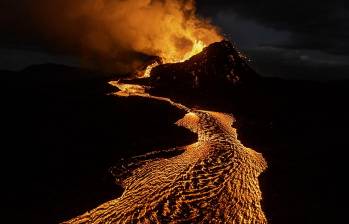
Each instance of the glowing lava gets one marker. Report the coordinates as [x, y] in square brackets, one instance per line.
[214, 180]
[198, 46]
[128, 89]
[147, 71]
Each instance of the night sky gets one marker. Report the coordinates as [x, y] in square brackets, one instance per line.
[290, 39]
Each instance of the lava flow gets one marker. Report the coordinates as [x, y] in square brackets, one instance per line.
[214, 180]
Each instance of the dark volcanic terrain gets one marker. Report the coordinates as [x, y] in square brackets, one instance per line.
[62, 133]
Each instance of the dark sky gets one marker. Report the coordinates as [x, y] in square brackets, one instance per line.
[291, 39]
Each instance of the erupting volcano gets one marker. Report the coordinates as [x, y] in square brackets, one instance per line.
[174, 111]
[214, 180]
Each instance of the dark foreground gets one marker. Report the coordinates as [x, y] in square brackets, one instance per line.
[61, 135]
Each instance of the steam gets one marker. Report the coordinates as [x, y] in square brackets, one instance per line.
[116, 34]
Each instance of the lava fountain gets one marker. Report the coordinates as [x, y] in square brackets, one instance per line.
[198, 46]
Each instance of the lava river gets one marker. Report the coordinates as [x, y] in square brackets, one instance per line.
[214, 180]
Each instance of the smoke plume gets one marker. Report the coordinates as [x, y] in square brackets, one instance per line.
[117, 34]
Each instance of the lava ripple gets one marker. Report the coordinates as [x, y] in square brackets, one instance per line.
[214, 180]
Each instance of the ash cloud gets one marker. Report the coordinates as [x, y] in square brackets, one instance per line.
[115, 35]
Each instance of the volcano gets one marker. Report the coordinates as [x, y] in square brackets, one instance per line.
[214, 78]
[218, 66]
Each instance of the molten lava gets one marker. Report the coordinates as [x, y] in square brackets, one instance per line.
[127, 89]
[197, 47]
[147, 71]
[214, 180]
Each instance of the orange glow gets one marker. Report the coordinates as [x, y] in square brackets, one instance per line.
[198, 46]
[177, 36]
[175, 57]
[108, 33]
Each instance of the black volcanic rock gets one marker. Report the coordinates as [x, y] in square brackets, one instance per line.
[218, 66]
